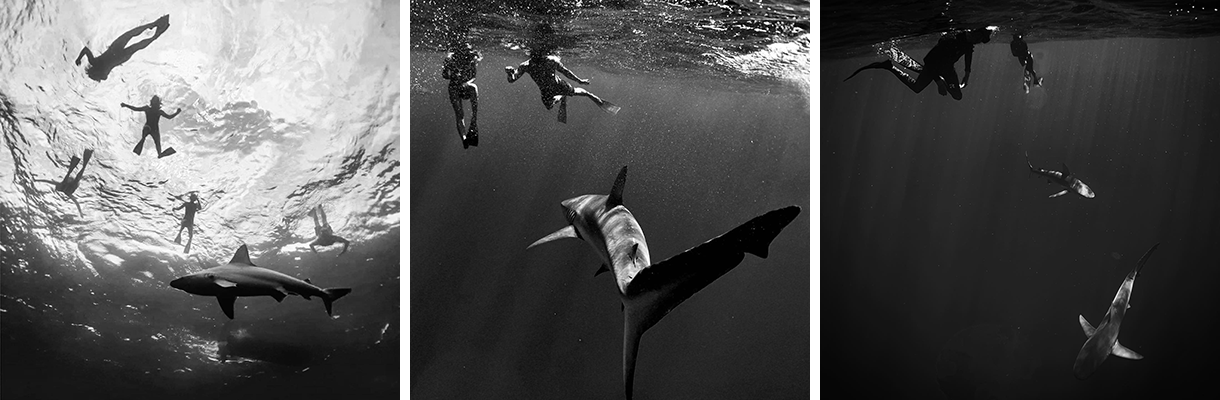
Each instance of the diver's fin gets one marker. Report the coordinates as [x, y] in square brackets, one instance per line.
[1061, 193]
[609, 107]
[226, 304]
[601, 270]
[1088, 329]
[616, 192]
[878, 65]
[168, 152]
[85, 162]
[139, 147]
[563, 110]
[1124, 352]
[565, 232]
[73, 163]
[242, 256]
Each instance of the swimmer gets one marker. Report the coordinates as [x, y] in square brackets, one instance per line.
[460, 68]
[544, 68]
[69, 184]
[118, 52]
[152, 115]
[188, 221]
[321, 228]
[1020, 50]
[938, 63]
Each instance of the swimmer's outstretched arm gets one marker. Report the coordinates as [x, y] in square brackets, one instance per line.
[84, 52]
[515, 73]
[134, 108]
[170, 116]
[568, 73]
[969, 58]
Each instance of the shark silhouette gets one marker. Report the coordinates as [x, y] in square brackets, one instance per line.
[1103, 340]
[650, 291]
[1064, 179]
[240, 278]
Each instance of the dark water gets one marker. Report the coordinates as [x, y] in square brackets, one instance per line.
[946, 272]
[707, 149]
[284, 107]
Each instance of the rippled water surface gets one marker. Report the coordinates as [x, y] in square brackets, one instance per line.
[285, 106]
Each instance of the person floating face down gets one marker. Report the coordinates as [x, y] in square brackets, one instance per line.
[69, 184]
[152, 118]
[938, 63]
[544, 68]
[1020, 50]
[325, 236]
[460, 69]
[188, 221]
[119, 52]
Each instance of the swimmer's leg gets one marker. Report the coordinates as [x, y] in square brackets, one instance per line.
[85, 163]
[140, 146]
[322, 216]
[190, 232]
[605, 105]
[455, 99]
[562, 115]
[71, 166]
[178, 239]
[472, 135]
[916, 85]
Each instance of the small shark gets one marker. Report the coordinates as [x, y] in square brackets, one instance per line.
[241, 278]
[650, 291]
[1103, 340]
[1065, 179]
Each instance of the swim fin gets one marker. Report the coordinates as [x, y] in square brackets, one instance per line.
[877, 65]
[563, 110]
[168, 152]
[139, 146]
[610, 107]
[88, 155]
[72, 164]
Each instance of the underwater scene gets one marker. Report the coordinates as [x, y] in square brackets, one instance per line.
[1020, 199]
[200, 199]
[672, 138]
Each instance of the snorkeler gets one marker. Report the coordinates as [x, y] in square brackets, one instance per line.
[118, 52]
[543, 69]
[188, 221]
[321, 228]
[152, 115]
[938, 63]
[69, 184]
[460, 68]
[1021, 51]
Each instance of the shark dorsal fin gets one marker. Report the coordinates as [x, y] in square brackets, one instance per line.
[616, 193]
[1066, 171]
[241, 257]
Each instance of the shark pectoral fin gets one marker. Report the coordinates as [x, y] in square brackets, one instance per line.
[601, 270]
[1088, 329]
[1124, 352]
[565, 232]
[616, 193]
[1061, 193]
[223, 283]
[278, 295]
[226, 304]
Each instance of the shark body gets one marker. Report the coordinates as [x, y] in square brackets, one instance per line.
[650, 291]
[1103, 340]
[240, 278]
[1065, 179]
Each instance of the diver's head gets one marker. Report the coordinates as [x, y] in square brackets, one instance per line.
[155, 101]
[984, 34]
[194, 197]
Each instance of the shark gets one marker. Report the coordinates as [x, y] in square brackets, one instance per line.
[650, 291]
[1103, 340]
[1064, 179]
[241, 278]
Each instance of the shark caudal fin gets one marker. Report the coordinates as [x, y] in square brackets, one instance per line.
[1144, 259]
[658, 289]
[333, 294]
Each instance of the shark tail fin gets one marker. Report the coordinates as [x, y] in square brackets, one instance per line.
[633, 330]
[333, 294]
[1144, 259]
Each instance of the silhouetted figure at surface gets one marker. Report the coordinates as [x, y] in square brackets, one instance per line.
[188, 221]
[152, 118]
[938, 63]
[460, 69]
[544, 69]
[69, 184]
[119, 52]
[1020, 50]
[325, 235]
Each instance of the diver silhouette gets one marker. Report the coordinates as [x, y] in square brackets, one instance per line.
[460, 69]
[188, 220]
[152, 115]
[938, 63]
[544, 68]
[1020, 50]
[69, 184]
[119, 52]
[325, 236]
